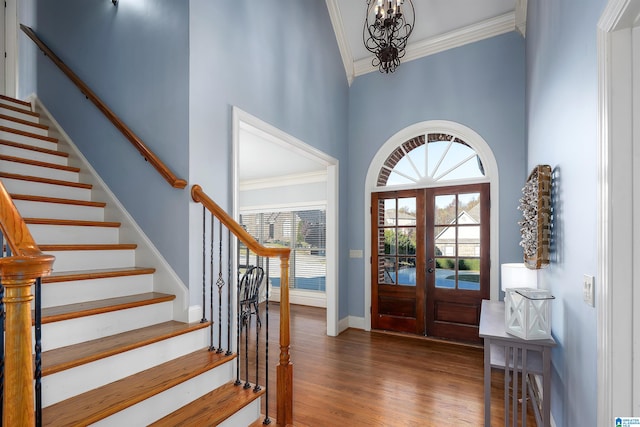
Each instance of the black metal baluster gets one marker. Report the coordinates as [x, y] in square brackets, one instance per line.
[204, 262]
[246, 319]
[220, 284]
[238, 382]
[212, 347]
[38, 351]
[229, 352]
[267, 420]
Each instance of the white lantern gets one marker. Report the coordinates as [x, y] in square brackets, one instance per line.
[527, 313]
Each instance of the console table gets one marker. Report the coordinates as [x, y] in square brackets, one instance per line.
[514, 355]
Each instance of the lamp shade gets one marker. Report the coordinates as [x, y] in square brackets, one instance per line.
[517, 275]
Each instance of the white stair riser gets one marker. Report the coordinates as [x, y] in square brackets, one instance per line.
[30, 209]
[70, 382]
[163, 404]
[19, 186]
[92, 259]
[23, 127]
[72, 234]
[74, 331]
[17, 114]
[13, 103]
[39, 171]
[245, 416]
[29, 140]
[33, 155]
[77, 291]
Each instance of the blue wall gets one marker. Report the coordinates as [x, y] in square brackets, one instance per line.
[481, 86]
[562, 117]
[136, 58]
[284, 69]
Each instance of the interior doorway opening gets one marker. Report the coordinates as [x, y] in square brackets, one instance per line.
[275, 174]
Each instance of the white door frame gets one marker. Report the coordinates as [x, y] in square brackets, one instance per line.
[618, 393]
[331, 164]
[11, 47]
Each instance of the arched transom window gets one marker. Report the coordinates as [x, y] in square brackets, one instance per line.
[431, 159]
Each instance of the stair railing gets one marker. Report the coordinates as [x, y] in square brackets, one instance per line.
[148, 155]
[284, 369]
[21, 267]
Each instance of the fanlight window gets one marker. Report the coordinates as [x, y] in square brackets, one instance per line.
[431, 158]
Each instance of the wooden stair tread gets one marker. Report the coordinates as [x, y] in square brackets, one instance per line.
[32, 148]
[17, 109]
[79, 354]
[44, 199]
[212, 408]
[16, 100]
[90, 308]
[99, 403]
[67, 276]
[45, 180]
[39, 163]
[93, 247]
[76, 222]
[23, 122]
[28, 134]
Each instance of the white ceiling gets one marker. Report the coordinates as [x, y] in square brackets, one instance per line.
[263, 157]
[439, 25]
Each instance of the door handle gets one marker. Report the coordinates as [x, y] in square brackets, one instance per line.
[430, 270]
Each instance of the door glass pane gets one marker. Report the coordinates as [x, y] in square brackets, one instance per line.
[469, 241]
[407, 271]
[469, 208]
[445, 209]
[386, 270]
[406, 211]
[406, 241]
[445, 273]
[386, 212]
[445, 241]
[469, 274]
[389, 235]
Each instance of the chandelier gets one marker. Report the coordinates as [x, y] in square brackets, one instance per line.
[386, 30]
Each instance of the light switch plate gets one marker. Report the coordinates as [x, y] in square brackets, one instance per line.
[588, 289]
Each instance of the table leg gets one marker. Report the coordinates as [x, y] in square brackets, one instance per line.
[507, 380]
[524, 387]
[546, 386]
[487, 382]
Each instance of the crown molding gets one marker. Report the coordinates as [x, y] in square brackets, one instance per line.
[470, 34]
[521, 17]
[341, 38]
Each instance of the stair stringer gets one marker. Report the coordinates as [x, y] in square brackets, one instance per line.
[165, 278]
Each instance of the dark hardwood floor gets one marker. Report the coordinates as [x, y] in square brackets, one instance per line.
[379, 379]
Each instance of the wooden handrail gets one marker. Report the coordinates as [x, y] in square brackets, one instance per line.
[149, 155]
[199, 196]
[18, 273]
[284, 370]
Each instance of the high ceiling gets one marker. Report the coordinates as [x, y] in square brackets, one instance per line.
[440, 25]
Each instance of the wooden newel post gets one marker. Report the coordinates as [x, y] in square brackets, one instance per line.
[284, 368]
[18, 275]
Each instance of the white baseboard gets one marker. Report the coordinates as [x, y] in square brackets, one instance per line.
[350, 322]
[301, 297]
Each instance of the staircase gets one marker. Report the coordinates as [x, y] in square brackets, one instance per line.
[113, 351]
